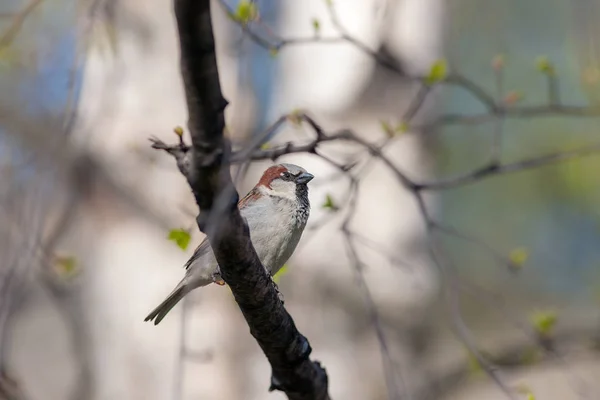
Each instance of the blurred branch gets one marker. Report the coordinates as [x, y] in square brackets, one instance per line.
[9, 387]
[29, 212]
[205, 166]
[67, 297]
[72, 165]
[476, 175]
[495, 254]
[452, 301]
[510, 112]
[490, 170]
[44, 141]
[496, 108]
[18, 19]
[519, 354]
[66, 291]
[388, 364]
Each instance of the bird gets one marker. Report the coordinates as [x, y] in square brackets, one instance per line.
[276, 211]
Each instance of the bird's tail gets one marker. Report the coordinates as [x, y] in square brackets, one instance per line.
[163, 309]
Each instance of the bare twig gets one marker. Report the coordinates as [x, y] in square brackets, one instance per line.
[496, 170]
[18, 19]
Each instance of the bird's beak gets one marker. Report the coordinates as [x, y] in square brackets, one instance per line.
[304, 178]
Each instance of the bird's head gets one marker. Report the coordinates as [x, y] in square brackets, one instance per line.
[285, 180]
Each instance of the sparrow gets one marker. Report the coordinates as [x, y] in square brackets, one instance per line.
[276, 211]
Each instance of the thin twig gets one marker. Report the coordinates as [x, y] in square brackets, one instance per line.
[13, 29]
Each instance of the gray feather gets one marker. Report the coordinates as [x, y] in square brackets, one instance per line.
[163, 309]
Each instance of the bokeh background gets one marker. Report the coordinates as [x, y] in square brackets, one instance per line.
[86, 206]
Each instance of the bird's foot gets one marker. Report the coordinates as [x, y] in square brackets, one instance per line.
[217, 279]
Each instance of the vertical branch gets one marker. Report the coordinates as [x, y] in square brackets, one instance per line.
[205, 102]
[209, 178]
[451, 292]
[7, 37]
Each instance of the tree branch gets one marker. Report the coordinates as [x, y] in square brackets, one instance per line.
[209, 178]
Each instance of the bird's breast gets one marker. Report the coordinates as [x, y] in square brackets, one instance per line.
[275, 235]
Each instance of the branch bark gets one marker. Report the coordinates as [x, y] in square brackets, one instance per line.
[207, 172]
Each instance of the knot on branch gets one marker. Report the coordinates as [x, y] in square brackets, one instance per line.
[296, 354]
[299, 351]
[314, 386]
[220, 106]
[275, 385]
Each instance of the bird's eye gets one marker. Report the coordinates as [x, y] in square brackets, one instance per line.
[286, 175]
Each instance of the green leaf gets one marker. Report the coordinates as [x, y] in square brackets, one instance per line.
[181, 237]
[544, 65]
[295, 117]
[437, 73]
[66, 266]
[280, 273]
[402, 127]
[473, 365]
[544, 322]
[387, 128]
[518, 257]
[316, 26]
[246, 12]
[329, 204]
[524, 390]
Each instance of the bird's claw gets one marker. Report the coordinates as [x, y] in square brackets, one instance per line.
[217, 279]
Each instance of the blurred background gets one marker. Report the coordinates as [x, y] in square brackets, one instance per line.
[87, 208]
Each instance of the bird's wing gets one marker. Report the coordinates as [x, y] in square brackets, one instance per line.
[205, 245]
[199, 252]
